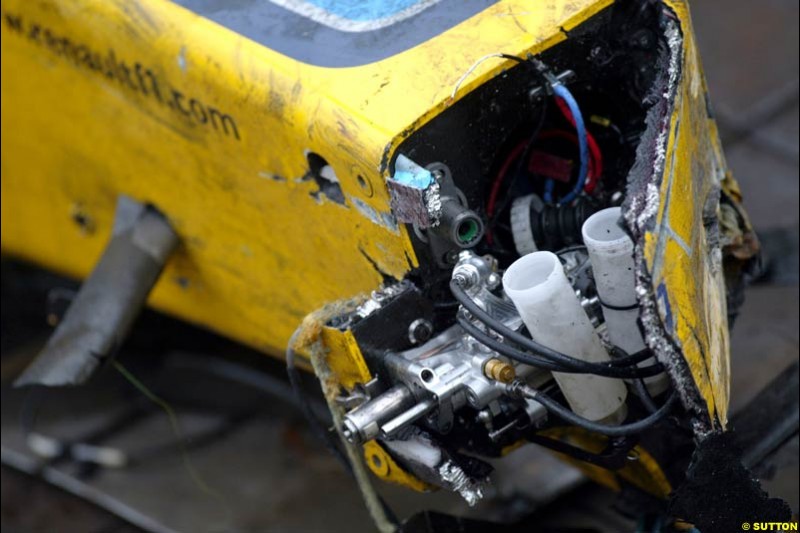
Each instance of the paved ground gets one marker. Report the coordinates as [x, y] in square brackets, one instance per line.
[750, 53]
[270, 470]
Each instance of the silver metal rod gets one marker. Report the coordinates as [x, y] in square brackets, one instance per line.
[364, 422]
[108, 302]
[390, 428]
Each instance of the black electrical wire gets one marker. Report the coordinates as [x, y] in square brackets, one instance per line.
[616, 368]
[527, 358]
[316, 426]
[542, 118]
[622, 358]
[615, 459]
[638, 384]
[514, 58]
[521, 164]
[539, 362]
[305, 406]
[623, 430]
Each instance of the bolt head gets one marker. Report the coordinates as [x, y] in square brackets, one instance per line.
[420, 331]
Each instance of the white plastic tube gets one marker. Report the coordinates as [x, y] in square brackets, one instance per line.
[611, 255]
[548, 306]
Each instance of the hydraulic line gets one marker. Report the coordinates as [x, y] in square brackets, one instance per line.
[540, 362]
[520, 389]
[605, 369]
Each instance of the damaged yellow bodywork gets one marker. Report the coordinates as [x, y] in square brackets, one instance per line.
[222, 149]
[149, 100]
[682, 257]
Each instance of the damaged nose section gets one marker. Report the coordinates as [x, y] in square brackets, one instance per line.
[103, 311]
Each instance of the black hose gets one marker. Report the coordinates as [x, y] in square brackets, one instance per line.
[644, 395]
[539, 362]
[617, 368]
[505, 349]
[263, 382]
[613, 459]
[523, 357]
[565, 414]
[622, 358]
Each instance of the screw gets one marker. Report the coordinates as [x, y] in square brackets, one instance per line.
[466, 275]
[472, 398]
[419, 331]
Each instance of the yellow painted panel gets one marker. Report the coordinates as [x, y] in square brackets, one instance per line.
[687, 273]
[149, 100]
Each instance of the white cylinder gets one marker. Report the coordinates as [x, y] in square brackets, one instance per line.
[611, 255]
[548, 306]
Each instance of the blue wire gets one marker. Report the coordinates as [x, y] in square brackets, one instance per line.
[549, 185]
[562, 92]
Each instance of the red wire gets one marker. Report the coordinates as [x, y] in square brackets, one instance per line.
[498, 180]
[560, 134]
[596, 154]
[595, 161]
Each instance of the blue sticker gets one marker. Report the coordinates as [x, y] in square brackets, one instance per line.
[663, 299]
[356, 15]
[410, 174]
[418, 180]
[366, 10]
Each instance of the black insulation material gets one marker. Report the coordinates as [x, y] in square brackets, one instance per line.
[720, 494]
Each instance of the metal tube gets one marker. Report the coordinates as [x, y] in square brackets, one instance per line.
[394, 425]
[103, 311]
[363, 423]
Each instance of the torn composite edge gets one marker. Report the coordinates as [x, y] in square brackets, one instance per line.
[641, 208]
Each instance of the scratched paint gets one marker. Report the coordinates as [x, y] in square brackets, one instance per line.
[382, 219]
[182, 59]
[683, 289]
[106, 137]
